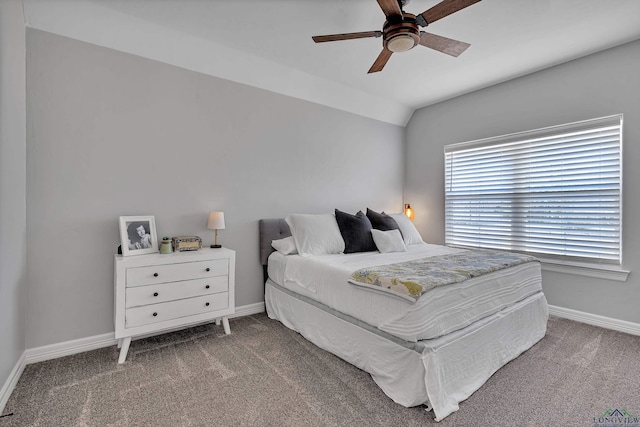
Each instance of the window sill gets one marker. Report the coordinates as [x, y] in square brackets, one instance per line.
[609, 272]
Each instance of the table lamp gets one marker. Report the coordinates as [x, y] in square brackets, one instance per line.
[216, 222]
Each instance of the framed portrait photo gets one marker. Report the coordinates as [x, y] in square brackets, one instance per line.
[138, 235]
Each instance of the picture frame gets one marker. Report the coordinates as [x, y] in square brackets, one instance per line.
[138, 235]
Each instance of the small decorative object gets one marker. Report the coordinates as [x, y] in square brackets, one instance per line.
[166, 246]
[186, 243]
[408, 211]
[216, 222]
[138, 235]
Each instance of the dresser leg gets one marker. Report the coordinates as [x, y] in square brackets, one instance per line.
[225, 325]
[120, 343]
[217, 321]
[124, 349]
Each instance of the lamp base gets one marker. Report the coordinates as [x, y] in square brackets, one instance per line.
[216, 246]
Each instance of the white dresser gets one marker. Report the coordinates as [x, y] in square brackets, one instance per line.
[158, 292]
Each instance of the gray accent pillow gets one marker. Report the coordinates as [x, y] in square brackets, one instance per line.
[382, 221]
[356, 232]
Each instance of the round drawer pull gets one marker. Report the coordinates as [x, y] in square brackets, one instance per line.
[155, 274]
[207, 304]
[155, 314]
[207, 286]
[207, 269]
[155, 294]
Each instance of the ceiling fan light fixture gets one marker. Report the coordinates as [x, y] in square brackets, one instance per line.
[401, 43]
[401, 30]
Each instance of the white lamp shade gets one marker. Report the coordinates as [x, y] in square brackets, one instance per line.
[216, 221]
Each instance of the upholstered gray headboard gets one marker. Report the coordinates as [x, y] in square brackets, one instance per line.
[271, 229]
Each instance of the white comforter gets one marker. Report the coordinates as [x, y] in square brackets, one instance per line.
[440, 311]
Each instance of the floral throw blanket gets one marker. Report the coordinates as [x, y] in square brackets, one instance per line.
[411, 279]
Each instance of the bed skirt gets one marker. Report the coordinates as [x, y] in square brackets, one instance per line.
[441, 372]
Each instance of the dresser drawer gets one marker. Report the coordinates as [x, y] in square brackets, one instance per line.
[155, 313]
[149, 275]
[153, 294]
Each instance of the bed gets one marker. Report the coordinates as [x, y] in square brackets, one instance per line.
[432, 349]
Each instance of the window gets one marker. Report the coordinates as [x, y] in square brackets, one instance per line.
[555, 193]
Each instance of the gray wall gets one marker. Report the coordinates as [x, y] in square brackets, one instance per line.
[13, 226]
[113, 134]
[598, 85]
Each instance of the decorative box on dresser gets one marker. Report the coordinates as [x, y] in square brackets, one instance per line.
[162, 292]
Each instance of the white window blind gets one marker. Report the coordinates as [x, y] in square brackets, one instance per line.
[553, 192]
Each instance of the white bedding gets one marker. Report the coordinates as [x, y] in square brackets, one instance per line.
[443, 372]
[440, 311]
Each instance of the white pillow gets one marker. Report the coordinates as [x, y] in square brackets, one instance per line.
[286, 246]
[388, 241]
[316, 234]
[409, 231]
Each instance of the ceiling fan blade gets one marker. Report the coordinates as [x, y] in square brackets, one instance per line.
[380, 61]
[347, 36]
[390, 7]
[444, 8]
[443, 44]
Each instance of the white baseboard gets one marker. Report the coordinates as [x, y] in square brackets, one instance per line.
[248, 310]
[596, 320]
[11, 382]
[81, 345]
[68, 348]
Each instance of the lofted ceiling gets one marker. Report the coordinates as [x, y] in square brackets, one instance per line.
[267, 43]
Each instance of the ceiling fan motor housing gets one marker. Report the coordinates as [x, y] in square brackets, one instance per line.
[401, 33]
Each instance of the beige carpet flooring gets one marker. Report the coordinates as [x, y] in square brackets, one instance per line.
[264, 374]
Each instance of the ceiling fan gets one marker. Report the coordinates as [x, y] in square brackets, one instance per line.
[401, 31]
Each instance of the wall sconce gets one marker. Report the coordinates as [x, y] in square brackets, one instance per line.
[408, 211]
[216, 222]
